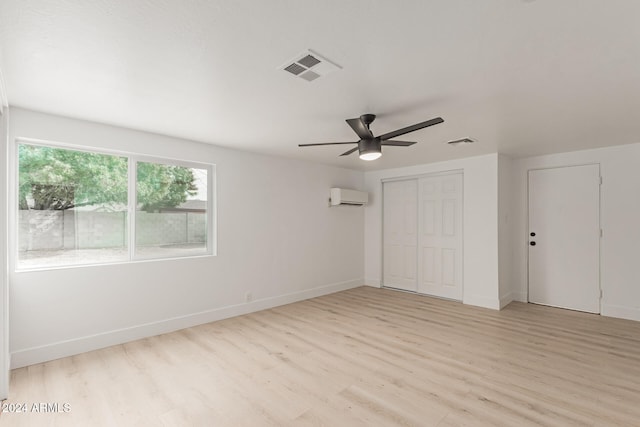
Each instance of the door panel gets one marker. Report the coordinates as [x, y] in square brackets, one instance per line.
[429, 217]
[400, 235]
[440, 237]
[564, 264]
[449, 210]
[448, 267]
[429, 264]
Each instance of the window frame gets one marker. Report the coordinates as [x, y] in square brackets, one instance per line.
[133, 196]
[132, 161]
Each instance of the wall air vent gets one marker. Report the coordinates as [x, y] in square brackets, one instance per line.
[309, 65]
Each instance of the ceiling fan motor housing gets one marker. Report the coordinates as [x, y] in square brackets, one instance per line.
[366, 146]
[367, 119]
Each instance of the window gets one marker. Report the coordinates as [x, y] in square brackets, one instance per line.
[171, 210]
[77, 207]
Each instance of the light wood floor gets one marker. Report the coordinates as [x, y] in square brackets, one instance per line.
[367, 357]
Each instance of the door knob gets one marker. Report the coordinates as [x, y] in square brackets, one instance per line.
[532, 234]
[532, 243]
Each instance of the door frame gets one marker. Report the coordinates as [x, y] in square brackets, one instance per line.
[417, 177]
[526, 233]
[4, 269]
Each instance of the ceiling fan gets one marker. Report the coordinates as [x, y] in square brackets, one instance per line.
[369, 146]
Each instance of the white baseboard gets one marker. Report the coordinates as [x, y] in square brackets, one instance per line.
[374, 283]
[31, 356]
[480, 301]
[619, 311]
[505, 300]
[520, 296]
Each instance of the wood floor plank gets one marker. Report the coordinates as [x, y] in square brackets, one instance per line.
[361, 357]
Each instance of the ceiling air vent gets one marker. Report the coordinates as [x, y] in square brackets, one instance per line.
[461, 141]
[309, 65]
[295, 69]
[309, 76]
[309, 61]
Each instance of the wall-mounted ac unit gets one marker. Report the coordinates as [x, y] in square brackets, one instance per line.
[343, 196]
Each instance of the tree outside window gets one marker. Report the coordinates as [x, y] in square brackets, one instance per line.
[73, 207]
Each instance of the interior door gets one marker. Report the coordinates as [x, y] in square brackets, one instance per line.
[564, 237]
[440, 241]
[400, 235]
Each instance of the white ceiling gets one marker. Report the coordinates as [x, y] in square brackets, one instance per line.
[521, 77]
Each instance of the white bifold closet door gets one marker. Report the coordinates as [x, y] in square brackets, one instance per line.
[440, 240]
[400, 234]
[422, 225]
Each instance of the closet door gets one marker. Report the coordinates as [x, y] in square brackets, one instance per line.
[440, 236]
[400, 234]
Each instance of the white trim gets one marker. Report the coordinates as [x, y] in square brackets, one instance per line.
[71, 347]
[520, 296]
[4, 102]
[132, 161]
[122, 153]
[101, 264]
[381, 281]
[481, 301]
[212, 210]
[620, 311]
[132, 202]
[506, 300]
[4, 266]
[423, 175]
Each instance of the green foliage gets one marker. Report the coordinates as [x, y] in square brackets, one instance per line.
[162, 186]
[59, 179]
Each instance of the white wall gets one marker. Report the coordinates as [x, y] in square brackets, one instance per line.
[277, 239]
[4, 303]
[505, 228]
[619, 216]
[480, 264]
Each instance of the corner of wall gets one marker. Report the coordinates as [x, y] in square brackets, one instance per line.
[505, 229]
[4, 294]
[622, 312]
[4, 103]
[482, 301]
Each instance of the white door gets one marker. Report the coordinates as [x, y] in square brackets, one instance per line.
[400, 234]
[564, 237]
[440, 241]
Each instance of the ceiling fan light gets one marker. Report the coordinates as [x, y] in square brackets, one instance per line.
[370, 149]
[370, 156]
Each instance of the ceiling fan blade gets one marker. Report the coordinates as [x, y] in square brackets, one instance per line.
[327, 143]
[398, 143]
[346, 153]
[360, 128]
[411, 128]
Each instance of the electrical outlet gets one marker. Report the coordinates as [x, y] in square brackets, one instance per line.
[248, 297]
